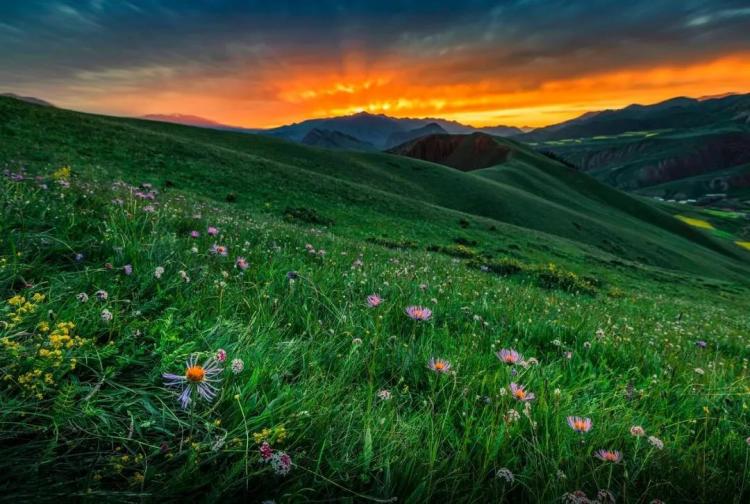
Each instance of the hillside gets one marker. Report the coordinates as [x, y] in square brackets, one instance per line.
[573, 218]
[400, 137]
[189, 313]
[329, 139]
[638, 161]
[462, 152]
[676, 113]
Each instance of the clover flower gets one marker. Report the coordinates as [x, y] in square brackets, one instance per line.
[374, 300]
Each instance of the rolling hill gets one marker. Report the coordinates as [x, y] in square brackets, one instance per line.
[675, 113]
[529, 201]
[329, 139]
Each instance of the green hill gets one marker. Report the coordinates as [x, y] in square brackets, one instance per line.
[167, 263]
[395, 198]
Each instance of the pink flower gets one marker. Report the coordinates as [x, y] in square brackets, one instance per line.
[266, 452]
[219, 250]
[419, 313]
[509, 356]
[613, 456]
[637, 431]
[374, 300]
[221, 355]
[194, 234]
[519, 392]
[439, 365]
[580, 424]
[281, 463]
[241, 263]
[212, 231]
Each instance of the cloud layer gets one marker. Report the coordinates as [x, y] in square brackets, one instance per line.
[258, 63]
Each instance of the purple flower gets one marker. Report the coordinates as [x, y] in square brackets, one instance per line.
[701, 344]
[127, 269]
[266, 452]
[374, 300]
[281, 463]
[212, 231]
[196, 377]
[580, 424]
[221, 355]
[219, 250]
[509, 356]
[79, 257]
[519, 392]
[194, 234]
[613, 456]
[439, 365]
[241, 263]
[419, 313]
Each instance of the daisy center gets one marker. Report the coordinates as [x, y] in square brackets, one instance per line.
[520, 394]
[439, 365]
[195, 374]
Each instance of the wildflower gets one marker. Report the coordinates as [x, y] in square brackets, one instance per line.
[699, 371]
[374, 300]
[577, 497]
[221, 355]
[266, 452]
[509, 356]
[357, 341]
[237, 366]
[586, 345]
[439, 365]
[184, 276]
[519, 392]
[212, 231]
[200, 378]
[106, 315]
[281, 463]
[158, 272]
[656, 442]
[423, 287]
[241, 263]
[637, 431]
[701, 344]
[149, 209]
[419, 313]
[79, 257]
[512, 416]
[748, 441]
[219, 250]
[580, 424]
[194, 234]
[556, 342]
[82, 297]
[101, 295]
[505, 474]
[384, 394]
[568, 355]
[127, 269]
[608, 456]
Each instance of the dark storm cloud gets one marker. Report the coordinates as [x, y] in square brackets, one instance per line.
[45, 39]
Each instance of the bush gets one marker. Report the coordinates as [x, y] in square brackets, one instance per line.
[550, 276]
[453, 251]
[504, 267]
[392, 244]
[307, 215]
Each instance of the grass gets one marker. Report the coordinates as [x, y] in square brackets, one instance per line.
[699, 223]
[344, 389]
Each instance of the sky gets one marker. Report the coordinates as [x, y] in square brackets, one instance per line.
[262, 64]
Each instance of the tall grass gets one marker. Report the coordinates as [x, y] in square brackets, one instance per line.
[341, 387]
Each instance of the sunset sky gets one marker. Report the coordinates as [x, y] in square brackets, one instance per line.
[261, 64]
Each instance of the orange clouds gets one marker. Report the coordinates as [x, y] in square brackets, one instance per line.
[277, 94]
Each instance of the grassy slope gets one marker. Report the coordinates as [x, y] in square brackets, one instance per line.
[393, 196]
[316, 356]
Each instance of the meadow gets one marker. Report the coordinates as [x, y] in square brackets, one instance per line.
[163, 342]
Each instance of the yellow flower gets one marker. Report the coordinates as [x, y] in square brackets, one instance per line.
[38, 297]
[62, 173]
[17, 300]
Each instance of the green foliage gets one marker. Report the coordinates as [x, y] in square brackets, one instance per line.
[306, 215]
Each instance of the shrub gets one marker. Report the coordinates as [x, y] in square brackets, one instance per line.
[551, 276]
[307, 215]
